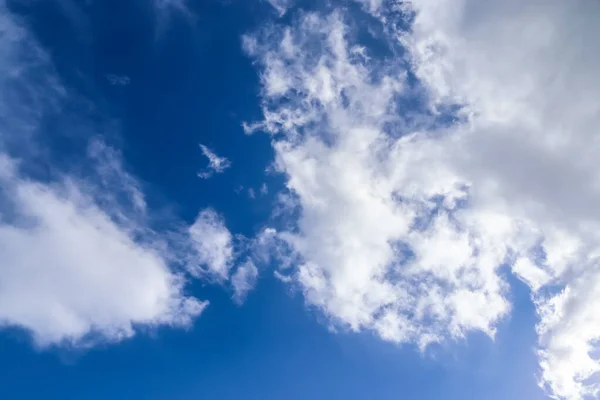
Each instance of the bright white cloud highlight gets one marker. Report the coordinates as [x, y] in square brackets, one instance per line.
[404, 222]
[216, 164]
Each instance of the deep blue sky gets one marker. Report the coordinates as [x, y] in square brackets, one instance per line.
[191, 83]
[272, 348]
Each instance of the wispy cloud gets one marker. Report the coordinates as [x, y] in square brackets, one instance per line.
[216, 164]
[118, 80]
[281, 5]
[214, 254]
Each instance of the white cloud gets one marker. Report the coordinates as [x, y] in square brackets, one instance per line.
[528, 78]
[373, 6]
[74, 271]
[213, 245]
[403, 225]
[216, 164]
[79, 261]
[243, 281]
[214, 254]
[361, 193]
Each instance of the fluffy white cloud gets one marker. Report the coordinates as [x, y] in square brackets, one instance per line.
[372, 205]
[216, 164]
[213, 252]
[404, 221]
[527, 76]
[212, 244]
[243, 281]
[79, 261]
[75, 271]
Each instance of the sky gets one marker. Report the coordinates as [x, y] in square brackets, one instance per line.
[299, 199]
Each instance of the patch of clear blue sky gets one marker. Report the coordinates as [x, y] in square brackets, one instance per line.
[190, 83]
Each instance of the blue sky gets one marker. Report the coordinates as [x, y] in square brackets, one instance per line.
[286, 199]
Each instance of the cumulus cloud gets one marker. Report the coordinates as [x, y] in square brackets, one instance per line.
[79, 260]
[402, 223]
[371, 206]
[525, 73]
[74, 270]
[216, 164]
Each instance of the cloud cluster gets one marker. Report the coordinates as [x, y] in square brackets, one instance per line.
[405, 221]
[373, 204]
[214, 253]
